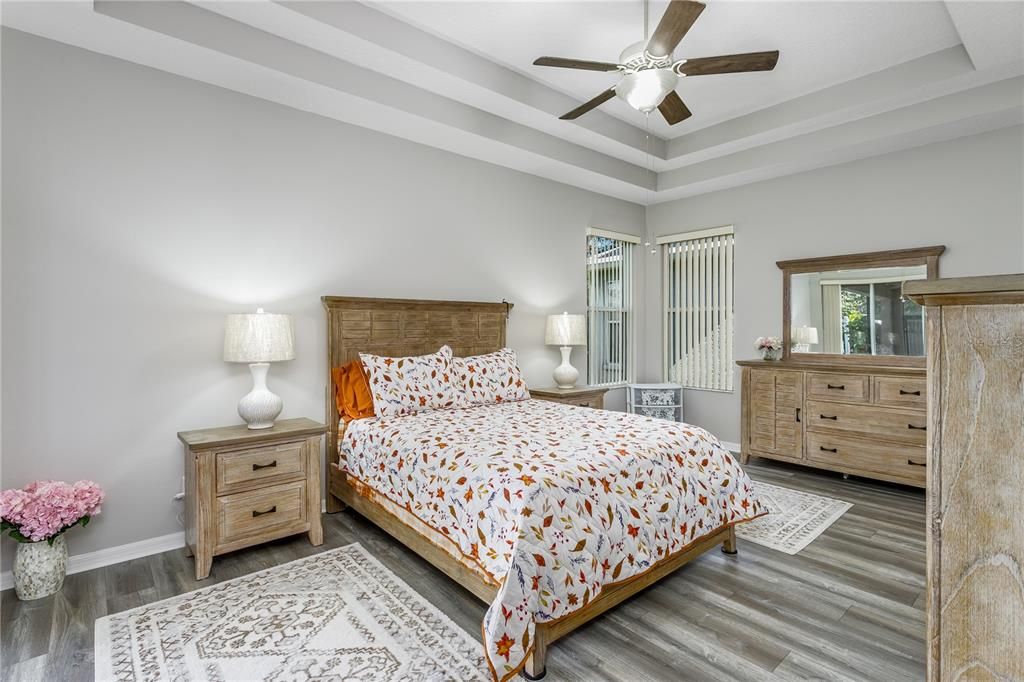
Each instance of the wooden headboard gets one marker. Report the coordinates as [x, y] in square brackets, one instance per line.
[398, 327]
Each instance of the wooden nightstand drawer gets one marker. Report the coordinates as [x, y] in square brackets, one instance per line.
[241, 469]
[258, 511]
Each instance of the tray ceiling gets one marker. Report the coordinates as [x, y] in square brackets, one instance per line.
[854, 78]
[821, 44]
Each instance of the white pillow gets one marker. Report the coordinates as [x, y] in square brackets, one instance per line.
[407, 385]
[491, 378]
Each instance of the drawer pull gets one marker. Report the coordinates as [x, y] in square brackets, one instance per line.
[917, 464]
[902, 392]
[257, 467]
[917, 428]
[798, 415]
[833, 418]
[838, 387]
[824, 449]
[261, 513]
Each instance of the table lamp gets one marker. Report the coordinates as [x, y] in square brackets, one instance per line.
[566, 331]
[804, 338]
[259, 338]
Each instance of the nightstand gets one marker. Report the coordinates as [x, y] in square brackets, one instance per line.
[583, 396]
[246, 486]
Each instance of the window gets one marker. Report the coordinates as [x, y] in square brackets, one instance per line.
[697, 295]
[871, 317]
[609, 306]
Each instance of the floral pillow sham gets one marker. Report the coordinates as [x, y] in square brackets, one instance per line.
[407, 385]
[492, 378]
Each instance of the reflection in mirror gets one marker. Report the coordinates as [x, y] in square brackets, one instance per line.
[856, 312]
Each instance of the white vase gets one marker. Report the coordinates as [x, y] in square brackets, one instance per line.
[565, 374]
[770, 354]
[260, 407]
[39, 568]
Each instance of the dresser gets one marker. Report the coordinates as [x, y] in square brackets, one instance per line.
[858, 418]
[581, 396]
[975, 612]
[247, 486]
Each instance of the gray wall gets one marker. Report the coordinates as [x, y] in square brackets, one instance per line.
[966, 194]
[140, 207]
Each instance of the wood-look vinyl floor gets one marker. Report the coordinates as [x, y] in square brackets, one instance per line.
[850, 606]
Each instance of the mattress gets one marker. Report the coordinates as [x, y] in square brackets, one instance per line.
[551, 502]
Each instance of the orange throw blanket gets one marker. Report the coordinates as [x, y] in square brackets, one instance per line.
[352, 391]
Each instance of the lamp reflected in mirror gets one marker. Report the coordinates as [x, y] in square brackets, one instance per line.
[804, 338]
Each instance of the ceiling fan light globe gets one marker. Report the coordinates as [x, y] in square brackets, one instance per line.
[645, 90]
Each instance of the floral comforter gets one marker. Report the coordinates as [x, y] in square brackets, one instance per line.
[553, 502]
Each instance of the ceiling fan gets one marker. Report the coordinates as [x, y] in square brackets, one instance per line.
[650, 74]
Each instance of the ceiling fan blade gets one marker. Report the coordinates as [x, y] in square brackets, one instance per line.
[584, 64]
[587, 106]
[673, 109]
[730, 63]
[674, 24]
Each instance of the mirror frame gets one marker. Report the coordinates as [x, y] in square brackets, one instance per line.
[927, 256]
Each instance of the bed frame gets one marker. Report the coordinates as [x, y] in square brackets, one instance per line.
[399, 327]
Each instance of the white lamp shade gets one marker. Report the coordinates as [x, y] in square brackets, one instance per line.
[258, 337]
[808, 335]
[566, 330]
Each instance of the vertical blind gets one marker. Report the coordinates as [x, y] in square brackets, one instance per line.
[609, 306]
[697, 295]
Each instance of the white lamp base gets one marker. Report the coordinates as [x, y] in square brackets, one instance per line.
[259, 408]
[565, 374]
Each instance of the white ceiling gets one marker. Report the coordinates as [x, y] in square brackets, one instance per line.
[820, 44]
[854, 79]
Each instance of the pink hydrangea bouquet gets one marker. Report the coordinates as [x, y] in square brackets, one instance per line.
[45, 509]
[769, 346]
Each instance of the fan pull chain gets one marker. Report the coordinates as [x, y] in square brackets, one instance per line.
[650, 157]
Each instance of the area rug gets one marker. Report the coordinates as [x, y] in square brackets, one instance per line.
[339, 615]
[794, 520]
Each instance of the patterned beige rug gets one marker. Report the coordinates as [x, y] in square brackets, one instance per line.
[794, 520]
[339, 615]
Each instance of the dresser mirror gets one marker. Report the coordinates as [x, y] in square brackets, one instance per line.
[852, 307]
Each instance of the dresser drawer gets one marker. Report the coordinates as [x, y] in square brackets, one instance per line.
[852, 453]
[241, 469]
[885, 423]
[899, 392]
[844, 387]
[254, 512]
[869, 456]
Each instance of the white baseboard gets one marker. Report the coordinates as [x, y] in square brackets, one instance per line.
[112, 555]
[115, 555]
[731, 447]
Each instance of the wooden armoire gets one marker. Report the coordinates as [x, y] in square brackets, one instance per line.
[975, 488]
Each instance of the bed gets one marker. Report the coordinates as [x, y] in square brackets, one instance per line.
[549, 513]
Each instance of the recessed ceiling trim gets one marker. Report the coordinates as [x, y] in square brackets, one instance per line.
[425, 55]
[215, 32]
[369, 68]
